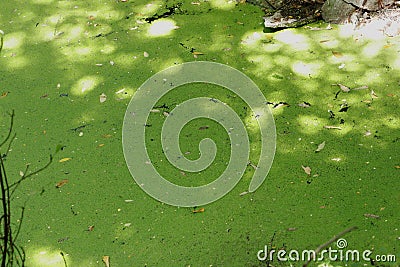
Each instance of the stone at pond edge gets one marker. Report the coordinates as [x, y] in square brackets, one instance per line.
[337, 11]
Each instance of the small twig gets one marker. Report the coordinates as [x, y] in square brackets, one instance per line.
[11, 124]
[324, 245]
[29, 175]
[1, 40]
[65, 261]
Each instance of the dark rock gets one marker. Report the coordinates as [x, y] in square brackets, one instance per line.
[337, 11]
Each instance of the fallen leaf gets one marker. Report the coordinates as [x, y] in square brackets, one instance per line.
[198, 210]
[90, 228]
[106, 135]
[344, 88]
[197, 53]
[332, 127]
[336, 159]
[320, 147]
[195, 3]
[155, 111]
[145, 54]
[106, 259]
[390, 95]
[387, 46]
[304, 104]
[61, 183]
[64, 159]
[243, 193]
[369, 215]
[203, 127]
[307, 170]
[367, 133]
[166, 114]
[4, 94]
[291, 229]
[337, 54]
[397, 166]
[373, 94]
[103, 98]
[100, 145]
[21, 173]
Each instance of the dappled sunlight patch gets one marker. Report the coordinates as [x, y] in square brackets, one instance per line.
[391, 121]
[85, 85]
[396, 63]
[150, 8]
[263, 62]
[14, 40]
[372, 49]
[223, 4]
[306, 69]
[17, 62]
[169, 63]
[46, 257]
[251, 39]
[161, 27]
[42, 1]
[284, 61]
[298, 42]
[372, 76]
[124, 93]
[329, 42]
[311, 124]
[271, 47]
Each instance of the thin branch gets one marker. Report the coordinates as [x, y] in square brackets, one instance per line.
[324, 245]
[10, 129]
[15, 185]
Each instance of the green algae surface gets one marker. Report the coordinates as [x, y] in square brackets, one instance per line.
[69, 70]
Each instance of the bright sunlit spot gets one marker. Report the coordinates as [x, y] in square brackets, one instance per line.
[297, 41]
[14, 40]
[162, 27]
[223, 4]
[47, 258]
[306, 69]
[85, 85]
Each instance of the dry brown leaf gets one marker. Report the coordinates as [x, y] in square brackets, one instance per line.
[397, 166]
[344, 88]
[106, 259]
[373, 94]
[307, 170]
[4, 94]
[369, 215]
[197, 53]
[61, 183]
[204, 127]
[337, 54]
[320, 147]
[199, 210]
